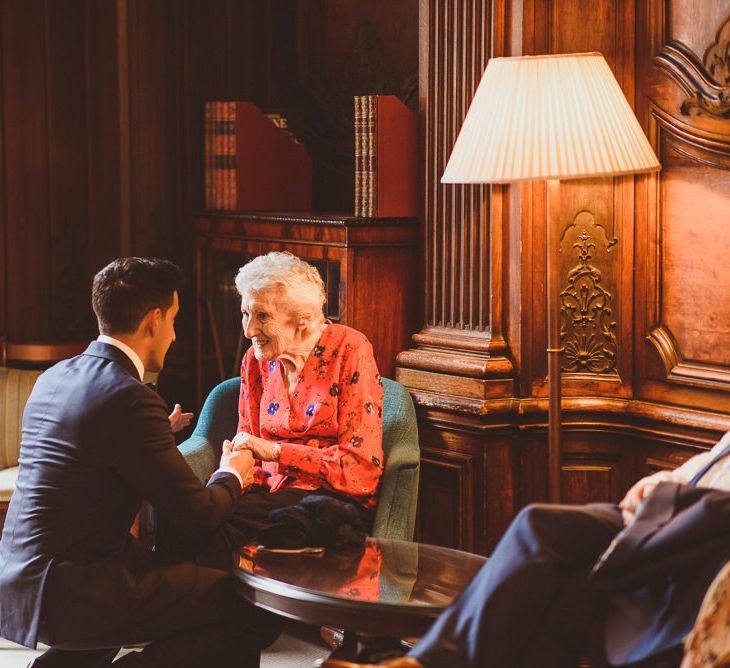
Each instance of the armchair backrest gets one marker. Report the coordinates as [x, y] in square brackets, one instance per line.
[16, 385]
[398, 496]
[15, 388]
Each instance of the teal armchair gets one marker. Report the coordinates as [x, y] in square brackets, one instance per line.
[397, 498]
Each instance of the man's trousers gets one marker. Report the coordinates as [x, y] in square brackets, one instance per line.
[530, 604]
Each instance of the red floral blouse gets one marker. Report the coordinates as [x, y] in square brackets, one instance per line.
[331, 427]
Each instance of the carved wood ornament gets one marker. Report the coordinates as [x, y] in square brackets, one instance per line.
[587, 329]
[706, 83]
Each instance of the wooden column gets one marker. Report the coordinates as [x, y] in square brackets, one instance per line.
[458, 371]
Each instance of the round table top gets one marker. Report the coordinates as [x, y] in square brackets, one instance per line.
[391, 587]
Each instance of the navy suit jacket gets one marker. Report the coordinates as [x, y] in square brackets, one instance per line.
[658, 569]
[95, 443]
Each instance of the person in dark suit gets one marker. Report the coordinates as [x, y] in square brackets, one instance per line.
[96, 442]
[533, 603]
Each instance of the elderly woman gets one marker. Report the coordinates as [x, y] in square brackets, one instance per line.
[310, 407]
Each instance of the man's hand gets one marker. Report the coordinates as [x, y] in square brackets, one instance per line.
[639, 492]
[266, 451]
[178, 419]
[240, 460]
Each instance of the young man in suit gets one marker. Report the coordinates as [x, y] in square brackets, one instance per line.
[96, 443]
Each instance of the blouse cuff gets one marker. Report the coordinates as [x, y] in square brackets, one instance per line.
[302, 457]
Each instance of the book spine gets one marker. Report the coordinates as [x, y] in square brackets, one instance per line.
[358, 155]
[365, 161]
[231, 199]
[206, 155]
[371, 180]
[220, 154]
[224, 155]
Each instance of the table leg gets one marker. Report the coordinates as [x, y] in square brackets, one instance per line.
[362, 648]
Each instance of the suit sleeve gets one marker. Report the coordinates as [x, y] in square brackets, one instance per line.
[148, 458]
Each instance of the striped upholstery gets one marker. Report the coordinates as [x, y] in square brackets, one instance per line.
[7, 485]
[15, 387]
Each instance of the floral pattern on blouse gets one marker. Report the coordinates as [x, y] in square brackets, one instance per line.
[330, 427]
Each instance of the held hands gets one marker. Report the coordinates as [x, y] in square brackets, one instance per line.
[178, 419]
[266, 451]
[240, 460]
[640, 491]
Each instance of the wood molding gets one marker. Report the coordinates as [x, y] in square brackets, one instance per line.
[681, 371]
[627, 416]
[704, 83]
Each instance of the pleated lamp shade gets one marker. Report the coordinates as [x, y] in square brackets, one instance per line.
[548, 117]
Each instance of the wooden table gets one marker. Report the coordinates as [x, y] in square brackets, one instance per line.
[390, 590]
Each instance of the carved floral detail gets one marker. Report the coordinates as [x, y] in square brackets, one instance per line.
[587, 331]
[706, 83]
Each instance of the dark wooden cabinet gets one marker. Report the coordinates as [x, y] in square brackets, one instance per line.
[368, 265]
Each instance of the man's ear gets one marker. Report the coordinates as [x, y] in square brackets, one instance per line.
[151, 322]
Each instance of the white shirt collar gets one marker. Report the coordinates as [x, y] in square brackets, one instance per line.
[136, 360]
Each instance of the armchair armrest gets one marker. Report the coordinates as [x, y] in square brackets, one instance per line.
[199, 455]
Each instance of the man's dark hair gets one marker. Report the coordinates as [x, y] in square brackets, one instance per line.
[126, 289]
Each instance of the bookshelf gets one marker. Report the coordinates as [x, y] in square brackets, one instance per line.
[369, 267]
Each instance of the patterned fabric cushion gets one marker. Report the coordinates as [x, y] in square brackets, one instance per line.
[708, 646]
[15, 388]
[7, 483]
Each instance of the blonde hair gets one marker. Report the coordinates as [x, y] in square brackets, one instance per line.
[299, 280]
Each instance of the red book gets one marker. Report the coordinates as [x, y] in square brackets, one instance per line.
[272, 171]
[251, 163]
[395, 159]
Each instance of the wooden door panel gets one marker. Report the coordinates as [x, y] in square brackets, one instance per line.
[445, 510]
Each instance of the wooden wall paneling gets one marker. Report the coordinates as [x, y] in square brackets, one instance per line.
[680, 312]
[281, 51]
[250, 51]
[70, 317]
[103, 147]
[153, 97]
[28, 268]
[348, 48]
[124, 55]
[446, 500]
[458, 371]
[595, 467]
[595, 226]
[393, 267]
[206, 39]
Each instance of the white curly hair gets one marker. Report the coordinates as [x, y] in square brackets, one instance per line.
[300, 282]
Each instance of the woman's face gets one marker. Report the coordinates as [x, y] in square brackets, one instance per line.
[266, 320]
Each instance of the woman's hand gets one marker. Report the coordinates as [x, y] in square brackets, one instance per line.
[266, 451]
[240, 460]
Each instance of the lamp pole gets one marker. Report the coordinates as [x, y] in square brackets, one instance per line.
[552, 306]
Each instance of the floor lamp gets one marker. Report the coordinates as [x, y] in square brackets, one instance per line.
[549, 118]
